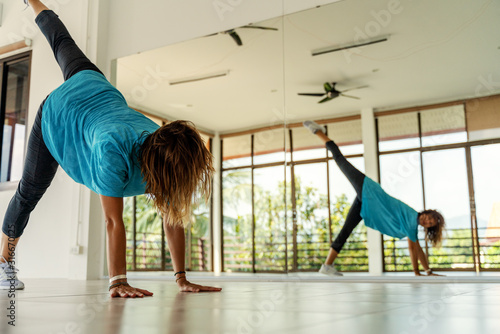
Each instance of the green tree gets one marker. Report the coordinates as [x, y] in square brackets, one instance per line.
[270, 229]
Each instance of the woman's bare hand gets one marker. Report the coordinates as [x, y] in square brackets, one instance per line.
[127, 291]
[186, 286]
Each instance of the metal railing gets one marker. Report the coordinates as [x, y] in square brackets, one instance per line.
[148, 250]
[458, 251]
[272, 256]
[489, 248]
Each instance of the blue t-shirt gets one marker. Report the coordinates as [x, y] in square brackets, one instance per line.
[94, 136]
[387, 214]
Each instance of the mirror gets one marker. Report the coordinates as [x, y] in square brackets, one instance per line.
[355, 54]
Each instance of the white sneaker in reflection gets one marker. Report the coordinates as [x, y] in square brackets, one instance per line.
[329, 270]
[313, 126]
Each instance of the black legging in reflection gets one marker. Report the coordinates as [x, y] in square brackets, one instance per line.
[356, 178]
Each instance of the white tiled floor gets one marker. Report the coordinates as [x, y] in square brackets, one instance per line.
[288, 306]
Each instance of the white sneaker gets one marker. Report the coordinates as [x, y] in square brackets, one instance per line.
[313, 127]
[329, 270]
[8, 277]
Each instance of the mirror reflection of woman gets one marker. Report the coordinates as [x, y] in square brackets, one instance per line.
[86, 127]
[381, 212]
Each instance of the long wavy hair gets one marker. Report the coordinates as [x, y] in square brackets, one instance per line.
[177, 169]
[434, 235]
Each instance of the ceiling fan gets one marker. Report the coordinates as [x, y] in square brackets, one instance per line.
[331, 92]
[234, 35]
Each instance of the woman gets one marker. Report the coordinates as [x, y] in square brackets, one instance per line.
[380, 212]
[100, 142]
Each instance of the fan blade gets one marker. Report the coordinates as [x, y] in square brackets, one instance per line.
[259, 27]
[311, 94]
[347, 90]
[326, 99]
[352, 97]
[236, 37]
[328, 87]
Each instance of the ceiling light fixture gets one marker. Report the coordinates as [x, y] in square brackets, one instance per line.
[199, 78]
[335, 48]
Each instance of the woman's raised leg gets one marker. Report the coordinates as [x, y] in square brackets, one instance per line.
[68, 55]
[354, 176]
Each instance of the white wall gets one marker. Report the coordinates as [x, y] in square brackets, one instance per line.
[44, 248]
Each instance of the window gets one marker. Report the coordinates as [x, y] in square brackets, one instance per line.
[237, 151]
[269, 213]
[306, 146]
[486, 185]
[263, 231]
[269, 146]
[442, 126]
[147, 249]
[483, 121]
[444, 158]
[311, 202]
[396, 132]
[347, 135]
[446, 189]
[14, 84]
[237, 219]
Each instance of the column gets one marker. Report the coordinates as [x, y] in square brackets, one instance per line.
[217, 218]
[375, 247]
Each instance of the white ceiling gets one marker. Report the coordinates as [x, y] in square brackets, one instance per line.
[437, 51]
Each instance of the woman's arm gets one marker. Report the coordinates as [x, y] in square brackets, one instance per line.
[423, 258]
[176, 244]
[116, 242]
[412, 247]
[425, 263]
[417, 253]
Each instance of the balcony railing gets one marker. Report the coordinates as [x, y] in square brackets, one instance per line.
[149, 254]
[271, 256]
[456, 253]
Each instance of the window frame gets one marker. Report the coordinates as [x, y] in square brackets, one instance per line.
[5, 62]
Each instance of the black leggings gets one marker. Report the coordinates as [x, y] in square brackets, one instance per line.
[39, 166]
[356, 178]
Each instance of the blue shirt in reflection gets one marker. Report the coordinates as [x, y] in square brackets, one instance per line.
[387, 214]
